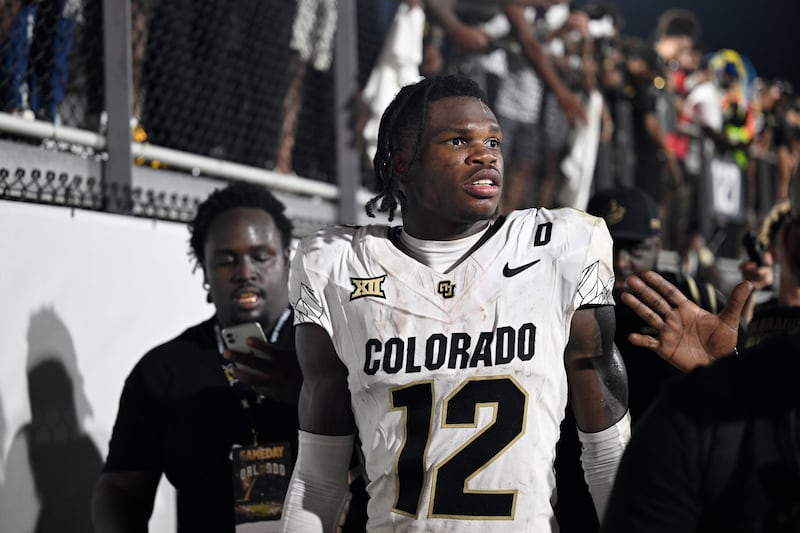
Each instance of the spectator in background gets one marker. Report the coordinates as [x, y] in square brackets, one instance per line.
[578, 163]
[536, 130]
[472, 27]
[738, 118]
[700, 130]
[619, 151]
[311, 45]
[781, 312]
[634, 223]
[677, 31]
[214, 75]
[374, 22]
[185, 412]
[604, 27]
[502, 46]
[33, 55]
[565, 38]
[719, 449]
[518, 107]
[397, 65]
[468, 31]
[656, 170]
[770, 141]
[685, 201]
[788, 146]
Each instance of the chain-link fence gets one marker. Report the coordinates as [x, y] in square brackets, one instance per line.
[246, 81]
[250, 81]
[51, 60]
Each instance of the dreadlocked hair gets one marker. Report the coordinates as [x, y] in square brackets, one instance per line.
[236, 194]
[406, 115]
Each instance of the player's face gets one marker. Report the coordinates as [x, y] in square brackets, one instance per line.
[246, 267]
[634, 257]
[456, 183]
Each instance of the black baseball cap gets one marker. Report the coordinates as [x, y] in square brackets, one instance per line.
[630, 213]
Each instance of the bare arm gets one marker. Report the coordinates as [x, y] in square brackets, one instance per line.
[599, 388]
[123, 501]
[596, 372]
[318, 492]
[688, 335]
[324, 397]
[542, 64]
[659, 136]
[467, 38]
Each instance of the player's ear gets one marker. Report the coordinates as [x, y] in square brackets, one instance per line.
[400, 164]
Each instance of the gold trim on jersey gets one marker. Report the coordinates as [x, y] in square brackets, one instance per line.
[417, 385]
[475, 441]
[449, 495]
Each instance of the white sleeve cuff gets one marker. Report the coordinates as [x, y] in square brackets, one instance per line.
[600, 455]
[318, 491]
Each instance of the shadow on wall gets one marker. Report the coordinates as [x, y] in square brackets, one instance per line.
[52, 465]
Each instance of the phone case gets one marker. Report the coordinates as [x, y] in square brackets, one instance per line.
[235, 337]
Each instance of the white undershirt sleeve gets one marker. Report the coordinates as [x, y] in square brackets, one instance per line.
[600, 455]
[318, 491]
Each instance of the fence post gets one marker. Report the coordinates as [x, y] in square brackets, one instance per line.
[348, 160]
[117, 82]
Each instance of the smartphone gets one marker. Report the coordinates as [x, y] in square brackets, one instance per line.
[235, 337]
[754, 248]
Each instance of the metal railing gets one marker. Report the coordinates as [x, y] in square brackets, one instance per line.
[110, 140]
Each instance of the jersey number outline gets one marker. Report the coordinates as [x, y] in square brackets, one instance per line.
[450, 496]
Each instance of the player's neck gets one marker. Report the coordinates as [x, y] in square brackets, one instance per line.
[438, 255]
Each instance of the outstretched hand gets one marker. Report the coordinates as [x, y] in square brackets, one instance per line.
[271, 372]
[688, 335]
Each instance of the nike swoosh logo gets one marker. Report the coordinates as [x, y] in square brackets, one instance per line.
[508, 271]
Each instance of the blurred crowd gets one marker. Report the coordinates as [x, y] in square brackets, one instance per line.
[696, 128]
[583, 105]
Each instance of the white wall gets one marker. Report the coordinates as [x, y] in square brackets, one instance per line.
[94, 291]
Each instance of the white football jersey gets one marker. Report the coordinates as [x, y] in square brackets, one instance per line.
[457, 380]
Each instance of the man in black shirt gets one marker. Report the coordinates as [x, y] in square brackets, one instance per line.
[720, 448]
[228, 448]
[632, 218]
[718, 451]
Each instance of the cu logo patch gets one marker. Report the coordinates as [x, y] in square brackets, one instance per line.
[367, 287]
[446, 289]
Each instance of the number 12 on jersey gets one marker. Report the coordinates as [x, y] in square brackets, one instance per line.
[450, 497]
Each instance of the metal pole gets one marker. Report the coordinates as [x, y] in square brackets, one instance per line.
[117, 77]
[348, 160]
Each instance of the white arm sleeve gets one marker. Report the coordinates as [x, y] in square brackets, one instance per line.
[318, 491]
[600, 456]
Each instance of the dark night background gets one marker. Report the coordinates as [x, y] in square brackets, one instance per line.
[766, 31]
